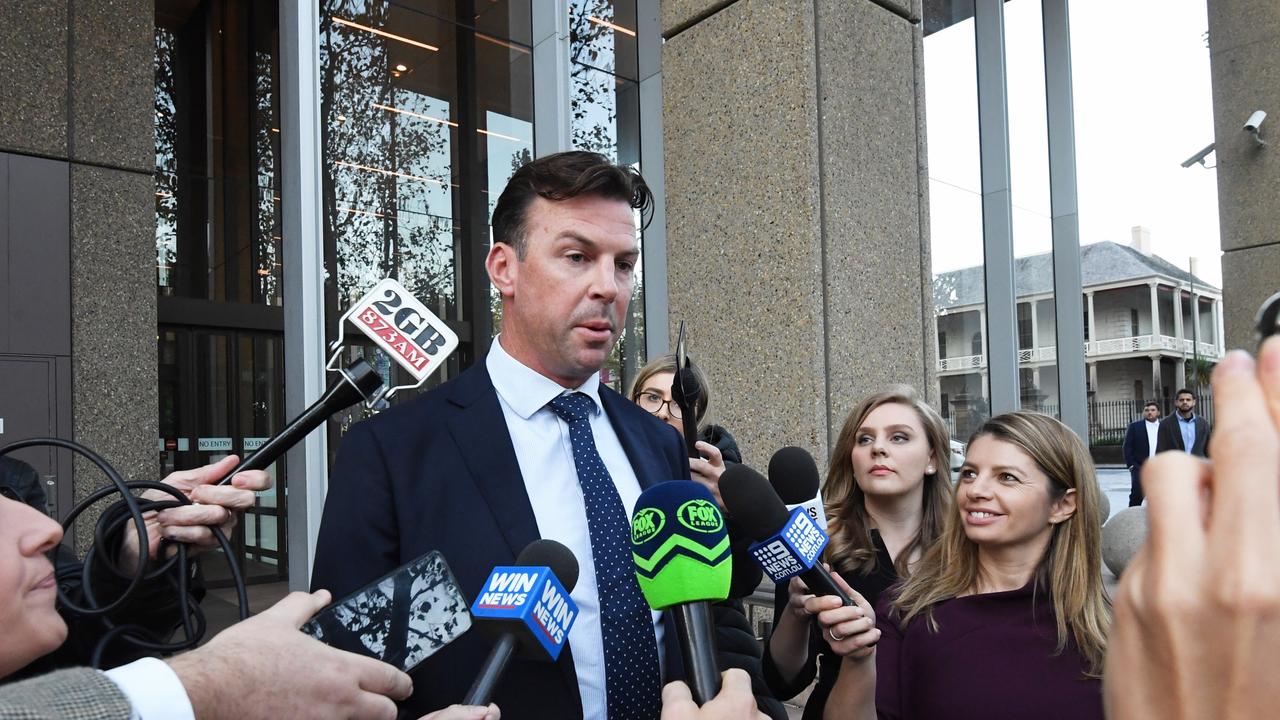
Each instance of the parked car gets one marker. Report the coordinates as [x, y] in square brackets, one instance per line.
[957, 458]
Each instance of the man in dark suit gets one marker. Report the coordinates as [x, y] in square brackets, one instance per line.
[526, 444]
[1184, 430]
[1140, 444]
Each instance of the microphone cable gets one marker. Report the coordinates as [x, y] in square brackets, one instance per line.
[358, 381]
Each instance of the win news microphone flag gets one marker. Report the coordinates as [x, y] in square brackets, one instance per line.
[528, 608]
[789, 544]
[683, 562]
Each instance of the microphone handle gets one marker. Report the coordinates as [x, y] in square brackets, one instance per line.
[357, 382]
[820, 582]
[481, 691]
[696, 632]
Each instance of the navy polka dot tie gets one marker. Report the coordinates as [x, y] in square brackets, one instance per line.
[632, 681]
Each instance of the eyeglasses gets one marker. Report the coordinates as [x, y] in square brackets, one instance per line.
[653, 403]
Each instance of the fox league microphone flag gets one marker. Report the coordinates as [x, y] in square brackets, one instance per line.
[532, 597]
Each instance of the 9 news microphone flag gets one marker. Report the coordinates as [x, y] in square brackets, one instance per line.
[683, 560]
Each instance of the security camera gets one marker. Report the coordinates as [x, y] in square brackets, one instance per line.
[1255, 121]
[1199, 157]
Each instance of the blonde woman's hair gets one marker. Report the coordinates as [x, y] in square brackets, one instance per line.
[667, 363]
[849, 526]
[1071, 569]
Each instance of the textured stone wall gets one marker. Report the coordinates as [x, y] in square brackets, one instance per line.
[797, 242]
[1244, 56]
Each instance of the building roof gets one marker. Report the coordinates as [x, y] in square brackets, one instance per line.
[1101, 263]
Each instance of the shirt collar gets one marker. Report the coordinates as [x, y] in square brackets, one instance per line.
[1152, 422]
[526, 390]
[1187, 420]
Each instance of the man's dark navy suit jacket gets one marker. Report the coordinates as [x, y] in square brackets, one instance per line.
[440, 473]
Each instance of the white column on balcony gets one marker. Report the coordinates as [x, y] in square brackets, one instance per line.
[1177, 316]
[1155, 310]
[1093, 324]
[1195, 319]
[1093, 376]
[1035, 328]
[1218, 340]
[982, 329]
[1156, 383]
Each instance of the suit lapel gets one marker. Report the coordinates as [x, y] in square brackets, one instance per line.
[635, 439]
[480, 432]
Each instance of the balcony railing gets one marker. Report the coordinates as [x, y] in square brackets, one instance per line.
[1094, 349]
[964, 362]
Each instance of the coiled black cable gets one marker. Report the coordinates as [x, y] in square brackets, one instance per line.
[358, 381]
[107, 533]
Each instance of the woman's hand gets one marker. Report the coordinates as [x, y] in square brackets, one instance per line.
[212, 506]
[849, 629]
[708, 469]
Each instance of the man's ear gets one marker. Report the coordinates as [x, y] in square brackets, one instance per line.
[1064, 508]
[503, 267]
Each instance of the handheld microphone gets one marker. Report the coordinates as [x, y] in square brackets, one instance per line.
[794, 476]
[683, 560]
[528, 609]
[789, 544]
[405, 330]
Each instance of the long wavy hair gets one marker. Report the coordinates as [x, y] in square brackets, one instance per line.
[849, 526]
[1071, 568]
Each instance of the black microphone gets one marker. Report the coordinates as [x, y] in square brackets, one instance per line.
[528, 608]
[794, 476]
[790, 543]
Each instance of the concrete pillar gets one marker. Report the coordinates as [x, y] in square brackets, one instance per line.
[1035, 324]
[1093, 376]
[982, 329]
[801, 126]
[1218, 336]
[1244, 60]
[1156, 383]
[1177, 317]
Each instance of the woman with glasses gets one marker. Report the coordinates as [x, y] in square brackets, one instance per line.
[652, 391]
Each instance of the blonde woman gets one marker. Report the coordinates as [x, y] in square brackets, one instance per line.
[887, 496]
[1006, 615]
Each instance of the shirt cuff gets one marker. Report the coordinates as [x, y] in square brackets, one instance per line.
[153, 689]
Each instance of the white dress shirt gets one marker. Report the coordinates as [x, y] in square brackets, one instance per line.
[545, 455]
[153, 690]
[1152, 427]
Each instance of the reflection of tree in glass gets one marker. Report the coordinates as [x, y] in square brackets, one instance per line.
[594, 106]
[268, 248]
[166, 175]
[387, 192]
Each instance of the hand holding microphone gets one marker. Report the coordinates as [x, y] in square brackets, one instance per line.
[683, 563]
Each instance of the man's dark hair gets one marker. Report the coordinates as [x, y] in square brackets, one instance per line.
[1184, 391]
[1151, 403]
[560, 177]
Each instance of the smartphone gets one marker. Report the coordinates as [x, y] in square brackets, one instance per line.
[402, 618]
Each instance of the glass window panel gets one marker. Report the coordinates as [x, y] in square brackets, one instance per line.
[955, 215]
[603, 35]
[268, 534]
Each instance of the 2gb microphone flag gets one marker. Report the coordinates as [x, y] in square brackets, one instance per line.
[404, 328]
[793, 550]
[532, 597]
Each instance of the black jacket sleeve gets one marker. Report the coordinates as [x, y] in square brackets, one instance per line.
[737, 647]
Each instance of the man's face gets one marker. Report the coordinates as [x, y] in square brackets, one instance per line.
[1186, 403]
[565, 302]
[1151, 412]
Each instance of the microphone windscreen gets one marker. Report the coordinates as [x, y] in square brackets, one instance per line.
[752, 502]
[794, 475]
[680, 545]
[551, 554]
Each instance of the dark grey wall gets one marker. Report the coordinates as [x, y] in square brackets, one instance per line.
[78, 78]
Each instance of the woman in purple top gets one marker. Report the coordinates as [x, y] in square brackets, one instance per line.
[1006, 615]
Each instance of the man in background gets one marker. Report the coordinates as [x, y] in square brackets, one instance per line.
[1140, 444]
[1184, 430]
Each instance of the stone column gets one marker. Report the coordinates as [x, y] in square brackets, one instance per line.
[1093, 376]
[982, 331]
[1093, 324]
[1035, 326]
[1156, 383]
[1177, 317]
[1244, 60]
[796, 193]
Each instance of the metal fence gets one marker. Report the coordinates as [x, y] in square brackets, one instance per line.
[1108, 419]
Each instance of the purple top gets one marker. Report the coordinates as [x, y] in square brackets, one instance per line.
[991, 657]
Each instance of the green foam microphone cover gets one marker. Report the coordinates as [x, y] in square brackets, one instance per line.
[680, 545]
